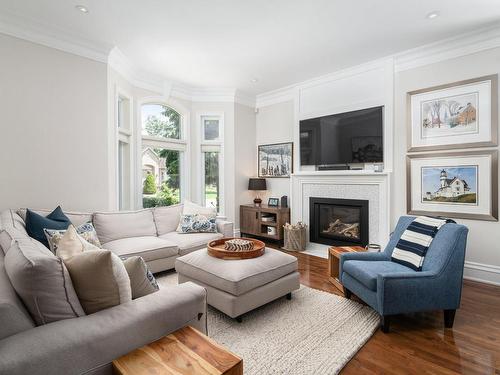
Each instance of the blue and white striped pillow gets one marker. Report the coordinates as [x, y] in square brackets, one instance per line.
[415, 241]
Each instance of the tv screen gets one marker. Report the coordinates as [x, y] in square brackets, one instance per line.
[343, 138]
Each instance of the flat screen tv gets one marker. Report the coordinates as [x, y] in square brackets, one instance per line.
[343, 138]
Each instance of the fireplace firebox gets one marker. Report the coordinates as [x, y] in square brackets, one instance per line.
[338, 222]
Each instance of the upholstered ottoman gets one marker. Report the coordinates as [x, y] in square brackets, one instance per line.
[238, 286]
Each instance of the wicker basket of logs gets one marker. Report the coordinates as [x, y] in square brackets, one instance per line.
[295, 236]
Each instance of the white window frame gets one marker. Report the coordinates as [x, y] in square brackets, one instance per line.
[124, 134]
[208, 146]
[181, 145]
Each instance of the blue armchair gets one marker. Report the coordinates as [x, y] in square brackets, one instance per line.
[391, 288]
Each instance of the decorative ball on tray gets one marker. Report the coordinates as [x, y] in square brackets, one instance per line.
[236, 248]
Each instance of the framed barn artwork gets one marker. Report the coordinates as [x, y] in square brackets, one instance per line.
[454, 184]
[458, 115]
[275, 160]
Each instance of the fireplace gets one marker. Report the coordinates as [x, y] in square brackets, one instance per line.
[338, 222]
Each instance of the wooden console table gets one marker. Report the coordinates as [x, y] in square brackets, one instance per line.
[252, 220]
[184, 352]
[334, 254]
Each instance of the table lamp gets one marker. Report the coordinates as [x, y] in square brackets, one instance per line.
[257, 184]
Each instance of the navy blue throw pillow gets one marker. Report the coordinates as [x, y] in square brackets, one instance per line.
[35, 223]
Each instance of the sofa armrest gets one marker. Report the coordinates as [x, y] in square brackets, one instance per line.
[405, 292]
[80, 345]
[370, 256]
[225, 227]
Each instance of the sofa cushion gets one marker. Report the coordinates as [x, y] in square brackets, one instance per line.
[100, 280]
[366, 272]
[42, 281]
[167, 218]
[236, 276]
[112, 226]
[148, 247]
[71, 244]
[9, 219]
[190, 242]
[76, 218]
[8, 235]
[13, 314]
[35, 223]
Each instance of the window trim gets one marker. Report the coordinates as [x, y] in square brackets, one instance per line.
[181, 144]
[124, 135]
[210, 146]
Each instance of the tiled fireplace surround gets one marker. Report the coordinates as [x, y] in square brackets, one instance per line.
[371, 186]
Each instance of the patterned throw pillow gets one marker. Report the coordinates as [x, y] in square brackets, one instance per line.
[197, 224]
[86, 231]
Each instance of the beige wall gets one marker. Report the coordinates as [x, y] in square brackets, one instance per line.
[275, 124]
[484, 236]
[53, 128]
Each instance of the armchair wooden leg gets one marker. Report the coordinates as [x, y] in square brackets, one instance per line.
[449, 318]
[384, 323]
[347, 293]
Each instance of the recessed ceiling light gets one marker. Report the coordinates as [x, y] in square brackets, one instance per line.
[433, 15]
[82, 8]
[254, 80]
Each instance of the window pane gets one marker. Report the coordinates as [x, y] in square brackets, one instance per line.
[120, 113]
[211, 129]
[160, 121]
[160, 177]
[211, 188]
[124, 190]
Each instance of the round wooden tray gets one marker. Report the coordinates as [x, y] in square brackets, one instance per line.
[216, 249]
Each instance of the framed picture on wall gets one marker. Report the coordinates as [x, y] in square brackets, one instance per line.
[454, 184]
[275, 160]
[458, 115]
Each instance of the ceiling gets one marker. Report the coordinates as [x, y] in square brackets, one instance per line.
[229, 43]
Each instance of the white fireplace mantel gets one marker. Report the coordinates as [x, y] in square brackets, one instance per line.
[366, 185]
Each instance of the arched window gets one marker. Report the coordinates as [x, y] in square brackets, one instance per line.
[162, 158]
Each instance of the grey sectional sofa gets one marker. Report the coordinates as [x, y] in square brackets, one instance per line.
[88, 344]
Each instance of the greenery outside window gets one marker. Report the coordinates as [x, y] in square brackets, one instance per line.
[162, 155]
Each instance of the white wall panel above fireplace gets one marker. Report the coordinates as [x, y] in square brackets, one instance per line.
[373, 187]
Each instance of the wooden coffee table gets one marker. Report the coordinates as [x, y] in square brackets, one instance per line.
[334, 254]
[186, 351]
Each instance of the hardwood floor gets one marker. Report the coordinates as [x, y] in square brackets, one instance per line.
[419, 343]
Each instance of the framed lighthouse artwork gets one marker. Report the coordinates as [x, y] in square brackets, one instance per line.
[457, 115]
[455, 184]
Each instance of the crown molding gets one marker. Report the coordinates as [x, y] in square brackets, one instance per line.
[51, 36]
[214, 95]
[282, 95]
[450, 48]
[137, 77]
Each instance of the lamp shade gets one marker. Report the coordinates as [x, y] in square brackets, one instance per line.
[257, 184]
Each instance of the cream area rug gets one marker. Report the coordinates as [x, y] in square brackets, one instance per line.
[314, 333]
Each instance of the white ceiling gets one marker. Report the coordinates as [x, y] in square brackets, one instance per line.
[227, 43]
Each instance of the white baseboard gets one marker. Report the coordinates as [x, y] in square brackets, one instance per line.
[484, 273]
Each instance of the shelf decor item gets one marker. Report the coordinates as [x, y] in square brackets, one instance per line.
[295, 236]
[217, 249]
[458, 115]
[455, 184]
[275, 160]
[273, 202]
[257, 184]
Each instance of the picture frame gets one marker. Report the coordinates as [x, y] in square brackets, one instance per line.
[275, 160]
[462, 114]
[273, 202]
[453, 184]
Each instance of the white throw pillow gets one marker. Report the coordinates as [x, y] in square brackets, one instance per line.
[85, 231]
[71, 244]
